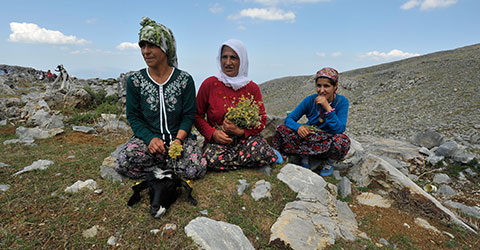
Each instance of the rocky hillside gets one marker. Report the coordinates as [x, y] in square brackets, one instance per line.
[438, 91]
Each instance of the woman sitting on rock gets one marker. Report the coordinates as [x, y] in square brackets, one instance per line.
[229, 145]
[161, 108]
[322, 136]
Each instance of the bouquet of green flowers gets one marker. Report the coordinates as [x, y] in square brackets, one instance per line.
[245, 113]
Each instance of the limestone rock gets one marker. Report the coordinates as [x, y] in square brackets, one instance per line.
[446, 191]
[447, 149]
[109, 173]
[4, 187]
[84, 129]
[77, 98]
[423, 223]
[373, 200]
[79, 185]
[472, 211]
[36, 165]
[407, 192]
[345, 187]
[37, 133]
[91, 232]
[242, 186]
[442, 178]
[262, 190]
[211, 234]
[428, 139]
[317, 218]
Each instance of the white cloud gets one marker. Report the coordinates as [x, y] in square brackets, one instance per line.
[276, 2]
[127, 45]
[428, 4]
[91, 20]
[393, 54]
[241, 27]
[410, 4]
[323, 54]
[336, 54]
[431, 4]
[271, 14]
[32, 33]
[91, 51]
[216, 8]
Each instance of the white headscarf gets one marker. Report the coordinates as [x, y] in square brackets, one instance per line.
[239, 81]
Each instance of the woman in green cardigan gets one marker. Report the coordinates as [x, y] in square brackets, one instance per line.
[161, 106]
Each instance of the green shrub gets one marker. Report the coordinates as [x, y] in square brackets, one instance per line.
[82, 118]
[107, 108]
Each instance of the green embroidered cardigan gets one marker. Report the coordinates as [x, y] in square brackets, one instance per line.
[155, 110]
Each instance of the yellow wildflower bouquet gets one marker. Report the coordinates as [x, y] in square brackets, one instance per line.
[175, 150]
[245, 113]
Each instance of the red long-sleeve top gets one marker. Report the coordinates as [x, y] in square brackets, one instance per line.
[213, 100]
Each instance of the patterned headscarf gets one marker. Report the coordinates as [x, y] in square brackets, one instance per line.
[236, 82]
[329, 73]
[161, 36]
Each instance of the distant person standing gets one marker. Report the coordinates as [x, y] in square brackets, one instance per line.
[160, 109]
[49, 76]
[322, 136]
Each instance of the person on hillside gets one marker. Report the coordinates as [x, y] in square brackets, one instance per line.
[160, 108]
[229, 146]
[322, 136]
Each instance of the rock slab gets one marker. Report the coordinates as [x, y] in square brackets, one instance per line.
[316, 219]
[212, 234]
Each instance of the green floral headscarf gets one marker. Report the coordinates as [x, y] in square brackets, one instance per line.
[161, 36]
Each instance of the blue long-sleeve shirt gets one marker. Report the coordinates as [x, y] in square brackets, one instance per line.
[334, 122]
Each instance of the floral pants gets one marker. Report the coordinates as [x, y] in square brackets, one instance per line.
[253, 152]
[318, 143]
[135, 160]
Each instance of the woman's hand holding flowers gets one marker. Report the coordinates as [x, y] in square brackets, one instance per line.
[303, 131]
[230, 128]
[156, 145]
[221, 137]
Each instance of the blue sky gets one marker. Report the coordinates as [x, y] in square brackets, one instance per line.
[283, 37]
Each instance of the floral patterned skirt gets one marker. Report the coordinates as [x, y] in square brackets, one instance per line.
[135, 160]
[318, 143]
[253, 152]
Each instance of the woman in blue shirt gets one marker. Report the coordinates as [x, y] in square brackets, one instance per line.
[322, 136]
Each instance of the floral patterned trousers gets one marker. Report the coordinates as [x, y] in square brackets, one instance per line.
[253, 152]
[317, 143]
[135, 160]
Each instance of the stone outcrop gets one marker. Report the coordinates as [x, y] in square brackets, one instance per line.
[406, 193]
[316, 219]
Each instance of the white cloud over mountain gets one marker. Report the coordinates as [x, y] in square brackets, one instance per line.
[393, 54]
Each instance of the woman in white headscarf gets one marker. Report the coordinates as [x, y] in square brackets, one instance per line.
[227, 145]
